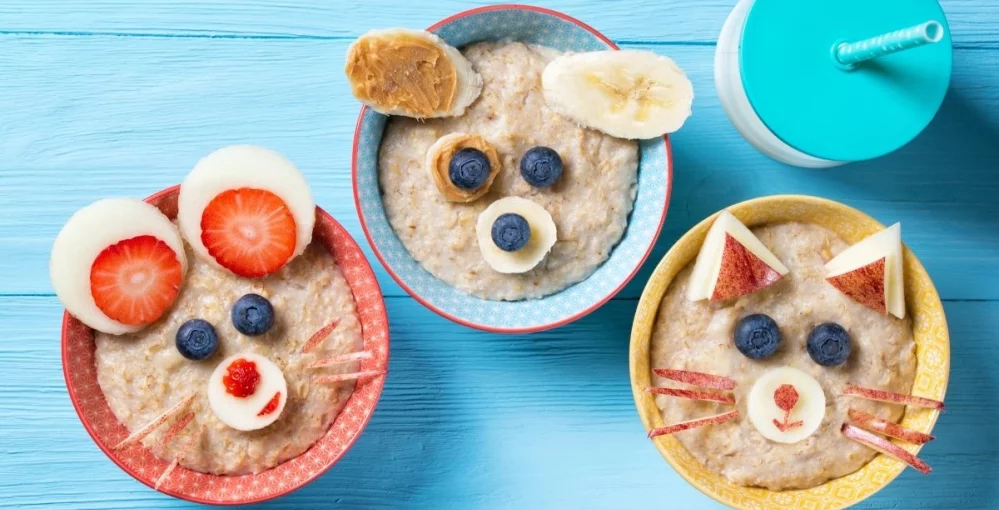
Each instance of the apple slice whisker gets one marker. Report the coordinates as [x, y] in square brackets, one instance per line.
[882, 445]
[144, 431]
[176, 460]
[319, 336]
[707, 396]
[892, 398]
[326, 379]
[699, 379]
[175, 429]
[687, 425]
[872, 423]
[340, 359]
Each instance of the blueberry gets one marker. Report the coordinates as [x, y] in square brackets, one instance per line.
[541, 167]
[469, 169]
[252, 315]
[196, 340]
[757, 336]
[511, 232]
[829, 344]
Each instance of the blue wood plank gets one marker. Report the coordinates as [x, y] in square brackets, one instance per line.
[475, 420]
[976, 22]
[128, 116]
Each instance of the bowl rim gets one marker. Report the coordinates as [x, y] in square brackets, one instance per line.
[651, 302]
[89, 427]
[464, 322]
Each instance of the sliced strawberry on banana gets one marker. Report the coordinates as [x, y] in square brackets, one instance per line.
[246, 209]
[118, 265]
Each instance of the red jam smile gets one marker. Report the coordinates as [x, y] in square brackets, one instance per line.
[241, 378]
[271, 405]
[786, 397]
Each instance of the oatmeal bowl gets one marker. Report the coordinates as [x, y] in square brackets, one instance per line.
[226, 360]
[511, 167]
[790, 352]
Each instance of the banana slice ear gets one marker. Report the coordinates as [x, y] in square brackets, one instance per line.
[627, 94]
[411, 73]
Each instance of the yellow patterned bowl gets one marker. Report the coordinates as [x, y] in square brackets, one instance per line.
[929, 328]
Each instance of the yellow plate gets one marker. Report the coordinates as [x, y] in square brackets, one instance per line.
[929, 328]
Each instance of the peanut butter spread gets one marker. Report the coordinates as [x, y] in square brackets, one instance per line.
[403, 73]
[439, 162]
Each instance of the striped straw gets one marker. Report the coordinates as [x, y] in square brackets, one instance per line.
[850, 54]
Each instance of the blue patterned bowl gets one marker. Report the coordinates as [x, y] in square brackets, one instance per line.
[655, 176]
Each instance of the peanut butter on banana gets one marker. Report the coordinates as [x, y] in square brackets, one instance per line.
[439, 161]
[402, 73]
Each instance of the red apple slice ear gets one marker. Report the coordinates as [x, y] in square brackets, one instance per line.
[733, 262]
[870, 272]
[692, 424]
[884, 446]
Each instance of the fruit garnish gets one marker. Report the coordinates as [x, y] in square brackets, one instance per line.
[196, 340]
[340, 359]
[247, 210]
[141, 433]
[786, 405]
[732, 263]
[691, 424]
[541, 235]
[627, 94]
[117, 265]
[250, 232]
[510, 232]
[191, 441]
[335, 378]
[870, 272]
[412, 73]
[894, 398]
[252, 315]
[241, 378]
[757, 336]
[462, 166]
[541, 167]
[884, 446]
[725, 398]
[786, 397]
[829, 344]
[271, 406]
[174, 429]
[233, 401]
[319, 336]
[700, 379]
[872, 423]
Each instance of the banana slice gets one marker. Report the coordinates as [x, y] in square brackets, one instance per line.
[439, 162]
[786, 405]
[412, 73]
[627, 94]
[541, 235]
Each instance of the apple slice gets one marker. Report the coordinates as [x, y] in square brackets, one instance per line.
[732, 262]
[713, 382]
[341, 359]
[692, 424]
[707, 396]
[892, 398]
[319, 336]
[884, 446]
[191, 441]
[140, 434]
[872, 423]
[337, 378]
[870, 272]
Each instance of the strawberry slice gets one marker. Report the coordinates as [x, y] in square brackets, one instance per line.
[134, 281]
[250, 232]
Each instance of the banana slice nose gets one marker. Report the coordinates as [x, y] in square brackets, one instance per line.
[786, 405]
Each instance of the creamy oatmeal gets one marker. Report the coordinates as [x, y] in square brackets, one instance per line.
[589, 204]
[699, 336]
[143, 374]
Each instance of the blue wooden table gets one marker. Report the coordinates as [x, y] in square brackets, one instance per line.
[115, 97]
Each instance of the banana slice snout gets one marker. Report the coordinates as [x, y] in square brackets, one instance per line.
[786, 405]
[541, 235]
[438, 165]
[627, 94]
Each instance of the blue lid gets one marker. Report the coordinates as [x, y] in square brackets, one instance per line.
[829, 110]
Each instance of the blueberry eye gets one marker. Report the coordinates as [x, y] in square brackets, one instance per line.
[252, 315]
[196, 340]
[541, 167]
[511, 232]
[829, 344]
[469, 169]
[757, 336]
